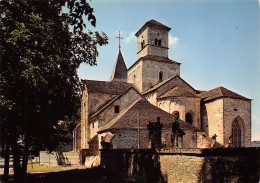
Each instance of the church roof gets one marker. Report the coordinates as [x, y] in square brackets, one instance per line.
[106, 87]
[155, 87]
[155, 58]
[127, 118]
[152, 23]
[220, 92]
[120, 71]
[178, 92]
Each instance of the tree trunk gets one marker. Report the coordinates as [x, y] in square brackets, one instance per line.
[25, 159]
[6, 166]
[17, 165]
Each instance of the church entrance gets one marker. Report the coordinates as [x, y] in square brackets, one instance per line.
[236, 134]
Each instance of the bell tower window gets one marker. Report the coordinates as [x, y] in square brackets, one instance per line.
[142, 44]
[155, 41]
[159, 42]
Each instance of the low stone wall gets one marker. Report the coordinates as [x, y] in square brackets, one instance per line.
[184, 165]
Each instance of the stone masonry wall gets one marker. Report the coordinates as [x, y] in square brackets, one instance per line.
[236, 108]
[151, 70]
[183, 105]
[214, 112]
[134, 75]
[90, 103]
[142, 37]
[184, 165]
[123, 102]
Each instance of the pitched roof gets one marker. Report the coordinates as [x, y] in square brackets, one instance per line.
[220, 92]
[92, 116]
[164, 82]
[152, 23]
[106, 87]
[127, 118]
[155, 58]
[120, 71]
[178, 92]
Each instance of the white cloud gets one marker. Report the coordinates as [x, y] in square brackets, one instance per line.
[131, 37]
[173, 41]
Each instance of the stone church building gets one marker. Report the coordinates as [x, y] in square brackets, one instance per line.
[117, 112]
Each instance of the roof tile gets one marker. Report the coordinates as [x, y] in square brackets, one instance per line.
[106, 87]
[220, 92]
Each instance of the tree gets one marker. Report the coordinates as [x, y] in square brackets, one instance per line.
[41, 49]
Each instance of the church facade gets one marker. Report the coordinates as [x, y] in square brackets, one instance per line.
[117, 112]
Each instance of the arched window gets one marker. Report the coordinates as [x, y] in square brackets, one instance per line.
[175, 112]
[134, 78]
[142, 44]
[155, 41]
[161, 76]
[159, 42]
[236, 133]
[189, 118]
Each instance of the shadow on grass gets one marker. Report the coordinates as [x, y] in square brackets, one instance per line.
[96, 174]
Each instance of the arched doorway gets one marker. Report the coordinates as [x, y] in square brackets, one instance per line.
[189, 118]
[236, 133]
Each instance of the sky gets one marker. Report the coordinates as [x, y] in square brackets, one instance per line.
[217, 42]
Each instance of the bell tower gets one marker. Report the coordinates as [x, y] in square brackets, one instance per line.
[152, 39]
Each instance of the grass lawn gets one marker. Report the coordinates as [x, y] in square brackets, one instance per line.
[36, 168]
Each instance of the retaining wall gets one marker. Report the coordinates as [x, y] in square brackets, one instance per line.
[184, 165]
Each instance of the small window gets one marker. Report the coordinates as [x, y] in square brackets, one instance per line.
[142, 44]
[161, 76]
[235, 109]
[159, 42]
[92, 125]
[116, 108]
[155, 41]
[134, 78]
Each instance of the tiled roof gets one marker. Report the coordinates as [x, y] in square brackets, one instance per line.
[178, 92]
[152, 23]
[106, 87]
[155, 58]
[220, 92]
[127, 118]
[164, 82]
[120, 70]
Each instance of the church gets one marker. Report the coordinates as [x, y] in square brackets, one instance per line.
[115, 114]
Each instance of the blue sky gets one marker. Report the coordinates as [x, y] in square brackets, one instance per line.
[217, 42]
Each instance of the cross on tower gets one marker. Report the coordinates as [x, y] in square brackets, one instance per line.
[119, 40]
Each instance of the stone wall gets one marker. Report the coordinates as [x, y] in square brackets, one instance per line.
[214, 116]
[142, 37]
[159, 34]
[151, 70]
[123, 102]
[134, 75]
[183, 106]
[184, 165]
[236, 108]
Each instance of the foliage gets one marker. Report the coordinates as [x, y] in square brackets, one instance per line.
[41, 49]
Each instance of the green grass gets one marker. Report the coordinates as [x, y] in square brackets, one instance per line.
[36, 168]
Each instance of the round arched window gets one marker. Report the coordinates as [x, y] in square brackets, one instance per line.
[189, 118]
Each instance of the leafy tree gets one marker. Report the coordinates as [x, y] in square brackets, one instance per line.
[41, 49]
